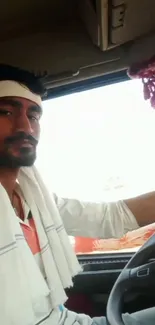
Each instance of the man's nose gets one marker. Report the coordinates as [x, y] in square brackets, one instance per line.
[23, 124]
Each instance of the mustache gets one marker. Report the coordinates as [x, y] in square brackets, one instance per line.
[21, 136]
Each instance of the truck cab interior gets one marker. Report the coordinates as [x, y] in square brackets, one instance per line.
[76, 45]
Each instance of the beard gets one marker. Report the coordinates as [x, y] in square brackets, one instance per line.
[14, 155]
[26, 158]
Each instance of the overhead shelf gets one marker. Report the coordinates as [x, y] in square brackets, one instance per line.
[111, 23]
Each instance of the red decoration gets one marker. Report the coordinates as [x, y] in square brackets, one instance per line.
[146, 72]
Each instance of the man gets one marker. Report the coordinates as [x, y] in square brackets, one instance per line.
[36, 260]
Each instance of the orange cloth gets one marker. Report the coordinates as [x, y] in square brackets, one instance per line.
[31, 236]
[132, 239]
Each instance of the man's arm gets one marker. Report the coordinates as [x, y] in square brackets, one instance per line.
[106, 220]
[97, 220]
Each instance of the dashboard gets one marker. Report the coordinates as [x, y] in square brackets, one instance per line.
[95, 282]
[99, 269]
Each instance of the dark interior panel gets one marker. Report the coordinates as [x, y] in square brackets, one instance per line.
[92, 286]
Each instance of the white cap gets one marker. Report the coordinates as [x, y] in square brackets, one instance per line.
[10, 88]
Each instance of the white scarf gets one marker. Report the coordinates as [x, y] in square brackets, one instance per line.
[23, 290]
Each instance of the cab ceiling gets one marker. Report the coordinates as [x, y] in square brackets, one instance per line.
[73, 40]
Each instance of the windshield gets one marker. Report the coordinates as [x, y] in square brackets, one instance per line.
[98, 145]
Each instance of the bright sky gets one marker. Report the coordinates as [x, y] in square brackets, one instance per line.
[95, 139]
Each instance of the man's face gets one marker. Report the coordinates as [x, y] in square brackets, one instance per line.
[19, 131]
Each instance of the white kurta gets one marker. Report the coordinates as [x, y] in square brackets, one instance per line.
[96, 220]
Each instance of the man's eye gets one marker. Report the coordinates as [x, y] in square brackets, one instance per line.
[5, 112]
[34, 117]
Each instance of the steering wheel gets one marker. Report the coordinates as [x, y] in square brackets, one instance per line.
[140, 271]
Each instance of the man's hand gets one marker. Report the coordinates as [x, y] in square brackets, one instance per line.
[143, 208]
